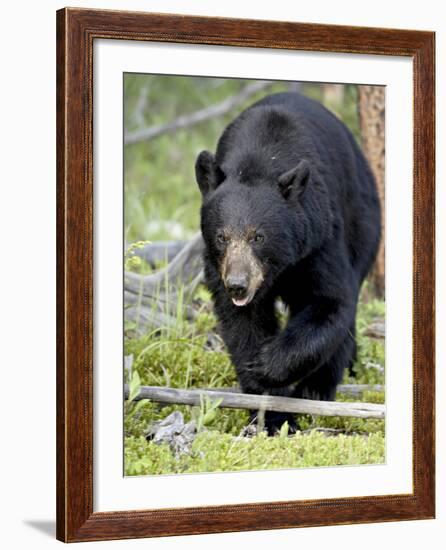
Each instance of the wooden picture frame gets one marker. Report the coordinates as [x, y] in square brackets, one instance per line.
[76, 31]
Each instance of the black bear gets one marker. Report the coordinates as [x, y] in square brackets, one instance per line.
[290, 210]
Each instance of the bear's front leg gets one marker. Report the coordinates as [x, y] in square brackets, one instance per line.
[311, 337]
[244, 331]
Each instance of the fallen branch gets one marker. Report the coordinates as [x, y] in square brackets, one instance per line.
[184, 121]
[147, 295]
[358, 389]
[347, 389]
[376, 330]
[160, 251]
[186, 265]
[262, 402]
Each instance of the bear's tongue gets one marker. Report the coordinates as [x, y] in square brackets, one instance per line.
[241, 301]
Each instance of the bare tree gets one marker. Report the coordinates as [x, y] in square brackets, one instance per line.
[371, 104]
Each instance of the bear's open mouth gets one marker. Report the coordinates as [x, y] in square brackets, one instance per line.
[242, 301]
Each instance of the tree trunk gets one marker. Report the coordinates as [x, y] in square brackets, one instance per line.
[371, 104]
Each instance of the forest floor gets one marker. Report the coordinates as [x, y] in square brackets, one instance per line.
[181, 357]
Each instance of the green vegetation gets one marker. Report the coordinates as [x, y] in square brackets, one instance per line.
[179, 357]
[162, 201]
[213, 452]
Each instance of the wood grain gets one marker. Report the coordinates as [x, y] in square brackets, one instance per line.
[76, 31]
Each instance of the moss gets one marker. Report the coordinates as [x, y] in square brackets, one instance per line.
[180, 357]
[213, 452]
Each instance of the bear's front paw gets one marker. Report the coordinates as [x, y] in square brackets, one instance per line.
[267, 368]
[249, 382]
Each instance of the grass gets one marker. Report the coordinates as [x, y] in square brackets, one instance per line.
[216, 452]
[179, 358]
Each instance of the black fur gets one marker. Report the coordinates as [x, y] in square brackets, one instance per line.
[292, 170]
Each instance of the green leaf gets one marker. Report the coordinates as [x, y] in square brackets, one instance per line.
[139, 405]
[134, 386]
[209, 417]
[215, 403]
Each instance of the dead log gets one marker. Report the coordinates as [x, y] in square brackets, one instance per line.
[354, 390]
[159, 304]
[145, 296]
[161, 251]
[140, 317]
[260, 402]
[376, 330]
[184, 268]
[358, 389]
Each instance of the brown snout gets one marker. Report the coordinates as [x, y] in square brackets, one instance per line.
[241, 273]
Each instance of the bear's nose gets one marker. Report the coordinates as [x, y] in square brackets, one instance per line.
[237, 284]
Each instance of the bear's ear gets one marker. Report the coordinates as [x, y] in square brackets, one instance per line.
[208, 174]
[295, 180]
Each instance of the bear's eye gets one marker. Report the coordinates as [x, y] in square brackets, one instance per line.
[258, 238]
[221, 238]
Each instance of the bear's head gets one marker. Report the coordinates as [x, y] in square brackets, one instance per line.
[252, 231]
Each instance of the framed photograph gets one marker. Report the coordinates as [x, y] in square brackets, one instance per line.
[245, 225]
